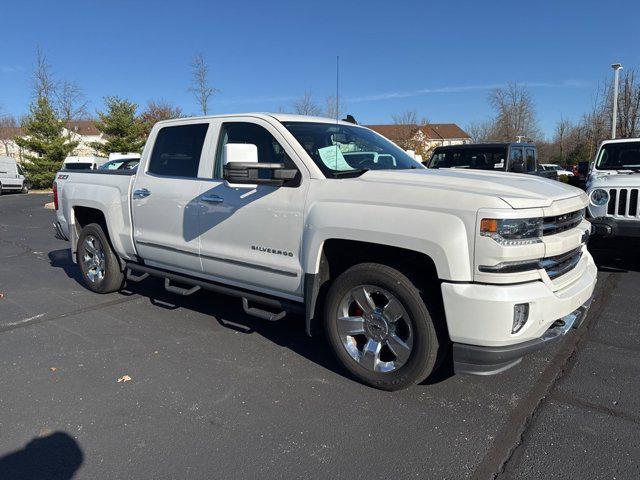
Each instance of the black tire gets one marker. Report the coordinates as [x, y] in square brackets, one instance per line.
[92, 237]
[423, 356]
[25, 187]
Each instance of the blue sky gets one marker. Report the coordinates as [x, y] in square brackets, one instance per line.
[439, 58]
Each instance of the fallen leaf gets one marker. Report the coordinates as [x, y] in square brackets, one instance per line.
[124, 378]
[53, 369]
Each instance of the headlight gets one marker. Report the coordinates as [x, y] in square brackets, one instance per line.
[599, 197]
[513, 231]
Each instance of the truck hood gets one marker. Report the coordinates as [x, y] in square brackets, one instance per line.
[517, 190]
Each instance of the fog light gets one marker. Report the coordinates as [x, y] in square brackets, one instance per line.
[520, 316]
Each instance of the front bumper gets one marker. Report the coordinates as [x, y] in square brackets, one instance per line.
[480, 316]
[477, 360]
[612, 227]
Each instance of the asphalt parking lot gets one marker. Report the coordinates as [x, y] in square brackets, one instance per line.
[143, 384]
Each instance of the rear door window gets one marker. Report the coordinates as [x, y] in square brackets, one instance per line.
[177, 151]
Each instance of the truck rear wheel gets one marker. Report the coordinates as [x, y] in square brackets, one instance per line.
[97, 260]
[380, 328]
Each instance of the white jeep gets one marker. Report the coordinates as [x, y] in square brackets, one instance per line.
[613, 187]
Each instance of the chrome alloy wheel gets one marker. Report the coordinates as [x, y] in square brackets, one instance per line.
[375, 329]
[93, 259]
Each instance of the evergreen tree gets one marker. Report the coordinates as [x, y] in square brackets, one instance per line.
[123, 130]
[45, 143]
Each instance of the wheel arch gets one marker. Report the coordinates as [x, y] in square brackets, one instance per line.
[337, 255]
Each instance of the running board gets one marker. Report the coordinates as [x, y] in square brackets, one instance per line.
[278, 305]
[179, 290]
[263, 314]
[135, 278]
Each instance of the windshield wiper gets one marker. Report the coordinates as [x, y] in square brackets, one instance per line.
[346, 173]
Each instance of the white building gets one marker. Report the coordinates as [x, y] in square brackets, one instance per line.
[82, 131]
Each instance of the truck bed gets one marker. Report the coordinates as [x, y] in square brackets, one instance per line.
[98, 189]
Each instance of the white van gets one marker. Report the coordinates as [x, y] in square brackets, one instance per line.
[12, 177]
[90, 162]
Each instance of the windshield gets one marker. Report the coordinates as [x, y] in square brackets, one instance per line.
[77, 166]
[112, 165]
[619, 156]
[484, 158]
[344, 149]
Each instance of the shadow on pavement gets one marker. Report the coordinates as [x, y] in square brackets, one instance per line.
[288, 332]
[62, 259]
[616, 254]
[54, 457]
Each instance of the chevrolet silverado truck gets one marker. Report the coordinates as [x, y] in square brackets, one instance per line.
[402, 267]
[613, 186]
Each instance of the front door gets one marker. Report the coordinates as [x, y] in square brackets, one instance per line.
[251, 236]
[165, 204]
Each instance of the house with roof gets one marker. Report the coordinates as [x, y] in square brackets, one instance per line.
[423, 138]
[82, 131]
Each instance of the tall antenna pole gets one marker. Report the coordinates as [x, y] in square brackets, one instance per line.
[616, 73]
[337, 87]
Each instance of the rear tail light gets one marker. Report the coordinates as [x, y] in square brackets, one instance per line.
[55, 195]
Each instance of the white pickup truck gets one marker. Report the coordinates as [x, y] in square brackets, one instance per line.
[398, 264]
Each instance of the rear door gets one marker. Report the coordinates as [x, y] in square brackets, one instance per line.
[165, 205]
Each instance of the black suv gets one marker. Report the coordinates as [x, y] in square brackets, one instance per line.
[503, 157]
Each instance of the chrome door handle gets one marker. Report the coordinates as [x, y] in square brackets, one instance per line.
[141, 193]
[212, 199]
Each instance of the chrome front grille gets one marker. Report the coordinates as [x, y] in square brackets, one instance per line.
[561, 223]
[623, 203]
[561, 264]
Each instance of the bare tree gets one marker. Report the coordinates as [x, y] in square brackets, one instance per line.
[200, 86]
[8, 125]
[481, 131]
[563, 129]
[158, 110]
[629, 106]
[71, 102]
[410, 131]
[335, 107]
[408, 117]
[42, 80]
[306, 105]
[515, 113]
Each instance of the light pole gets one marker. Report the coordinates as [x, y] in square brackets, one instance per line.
[616, 74]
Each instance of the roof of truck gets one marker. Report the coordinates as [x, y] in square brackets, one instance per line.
[621, 140]
[281, 117]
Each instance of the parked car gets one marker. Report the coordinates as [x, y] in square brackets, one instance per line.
[503, 157]
[121, 164]
[397, 263]
[613, 186]
[89, 162]
[552, 167]
[12, 178]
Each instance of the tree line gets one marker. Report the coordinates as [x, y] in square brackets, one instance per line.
[514, 116]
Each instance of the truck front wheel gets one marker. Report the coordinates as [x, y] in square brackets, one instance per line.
[380, 328]
[97, 260]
